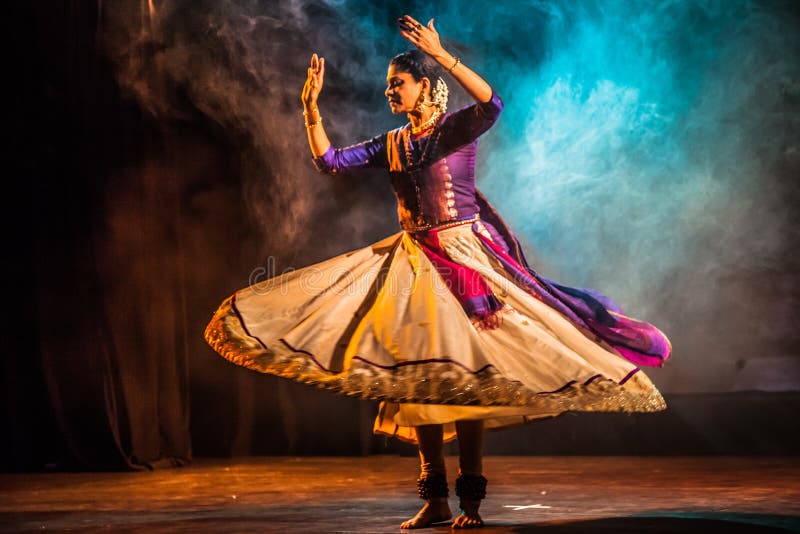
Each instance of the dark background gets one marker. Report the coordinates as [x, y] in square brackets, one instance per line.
[128, 221]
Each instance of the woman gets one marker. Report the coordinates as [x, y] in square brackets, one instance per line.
[444, 322]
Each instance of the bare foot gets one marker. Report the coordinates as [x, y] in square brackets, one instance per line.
[433, 511]
[469, 517]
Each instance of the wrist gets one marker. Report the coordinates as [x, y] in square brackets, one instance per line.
[312, 116]
[443, 58]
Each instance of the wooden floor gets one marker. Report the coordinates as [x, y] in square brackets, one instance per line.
[561, 494]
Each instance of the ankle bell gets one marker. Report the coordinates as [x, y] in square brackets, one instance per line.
[432, 486]
[471, 487]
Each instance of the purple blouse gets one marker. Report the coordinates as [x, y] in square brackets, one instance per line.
[433, 177]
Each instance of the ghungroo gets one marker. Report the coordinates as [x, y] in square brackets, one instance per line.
[471, 487]
[432, 486]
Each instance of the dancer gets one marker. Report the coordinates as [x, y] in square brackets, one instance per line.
[444, 322]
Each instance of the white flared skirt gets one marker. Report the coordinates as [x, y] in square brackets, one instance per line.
[380, 323]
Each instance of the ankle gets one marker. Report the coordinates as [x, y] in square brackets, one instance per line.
[468, 505]
[433, 487]
[471, 488]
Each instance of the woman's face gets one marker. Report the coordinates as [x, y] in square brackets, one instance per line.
[402, 90]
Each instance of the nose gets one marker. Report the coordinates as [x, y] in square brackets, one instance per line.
[388, 92]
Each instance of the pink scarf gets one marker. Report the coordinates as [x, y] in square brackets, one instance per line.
[467, 285]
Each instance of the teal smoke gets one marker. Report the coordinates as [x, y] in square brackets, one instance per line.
[648, 149]
[639, 138]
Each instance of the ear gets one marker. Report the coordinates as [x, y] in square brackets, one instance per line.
[427, 88]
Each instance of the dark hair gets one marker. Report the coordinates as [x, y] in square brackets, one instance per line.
[419, 65]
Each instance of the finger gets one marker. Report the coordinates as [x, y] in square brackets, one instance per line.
[430, 26]
[314, 62]
[408, 36]
[410, 23]
[321, 68]
[414, 22]
[404, 25]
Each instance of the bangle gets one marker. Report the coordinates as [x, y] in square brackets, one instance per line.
[307, 114]
[450, 70]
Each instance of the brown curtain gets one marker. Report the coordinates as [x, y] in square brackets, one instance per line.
[124, 232]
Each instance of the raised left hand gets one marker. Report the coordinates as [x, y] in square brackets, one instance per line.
[425, 38]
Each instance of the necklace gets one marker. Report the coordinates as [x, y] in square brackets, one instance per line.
[427, 124]
[426, 151]
[430, 142]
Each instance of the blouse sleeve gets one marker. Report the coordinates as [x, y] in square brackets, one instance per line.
[465, 125]
[369, 153]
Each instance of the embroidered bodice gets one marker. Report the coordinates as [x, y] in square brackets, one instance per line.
[434, 176]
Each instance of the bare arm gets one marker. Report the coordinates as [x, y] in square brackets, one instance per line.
[426, 39]
[317, 138]
[371, 152]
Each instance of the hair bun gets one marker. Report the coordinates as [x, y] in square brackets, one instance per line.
[419, 65]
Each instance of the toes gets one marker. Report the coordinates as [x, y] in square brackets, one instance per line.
[409, 524]
[464, 521]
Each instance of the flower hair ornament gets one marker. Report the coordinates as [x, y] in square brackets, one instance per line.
[439, 94]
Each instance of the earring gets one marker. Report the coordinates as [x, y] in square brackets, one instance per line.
[422, 101]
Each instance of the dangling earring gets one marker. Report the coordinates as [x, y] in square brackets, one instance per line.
[422, 101]
[439, 94]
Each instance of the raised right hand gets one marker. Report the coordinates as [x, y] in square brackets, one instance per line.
[313, 85]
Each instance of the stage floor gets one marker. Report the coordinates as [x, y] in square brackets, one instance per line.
[556, 494]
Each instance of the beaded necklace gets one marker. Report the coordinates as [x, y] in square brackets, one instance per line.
[427, 149]
[427, 124]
